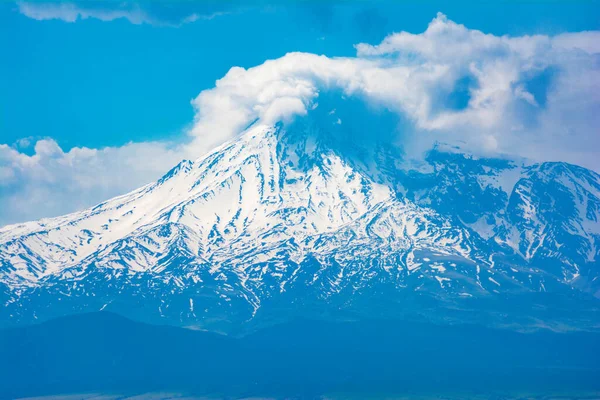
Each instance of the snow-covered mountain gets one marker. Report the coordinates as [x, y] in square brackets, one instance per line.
[283, 222]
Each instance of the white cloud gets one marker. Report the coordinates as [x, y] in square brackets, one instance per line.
[529, 96]
[588, 41]
[52, 182]
[134, 12]
[70, 12]
[413, 74]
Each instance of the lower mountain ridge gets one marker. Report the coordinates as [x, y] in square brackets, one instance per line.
[291, 221]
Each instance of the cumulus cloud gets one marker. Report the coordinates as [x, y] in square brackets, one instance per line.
[52, 182]
[534, 96]
[153, 13]
[528, 96]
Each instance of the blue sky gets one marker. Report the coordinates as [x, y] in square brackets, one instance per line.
[94, 83]
[91, 89]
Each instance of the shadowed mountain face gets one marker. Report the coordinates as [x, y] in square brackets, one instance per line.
[322, 218]
[105, 353]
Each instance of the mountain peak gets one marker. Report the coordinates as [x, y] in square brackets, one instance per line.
[183, 167]
[283, 219]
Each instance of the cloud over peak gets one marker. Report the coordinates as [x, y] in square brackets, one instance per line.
[493, 92]
[529, 96]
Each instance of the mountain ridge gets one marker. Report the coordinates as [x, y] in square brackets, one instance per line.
[280, 221]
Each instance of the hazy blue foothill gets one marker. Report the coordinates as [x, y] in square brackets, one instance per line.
[105, 353]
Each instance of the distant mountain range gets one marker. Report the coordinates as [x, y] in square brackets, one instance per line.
[318, 219]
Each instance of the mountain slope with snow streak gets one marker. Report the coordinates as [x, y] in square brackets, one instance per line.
[280, 223]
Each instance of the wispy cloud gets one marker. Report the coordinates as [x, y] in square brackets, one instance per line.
[153, 13]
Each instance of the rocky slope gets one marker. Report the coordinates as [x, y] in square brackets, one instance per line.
[280, 223]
